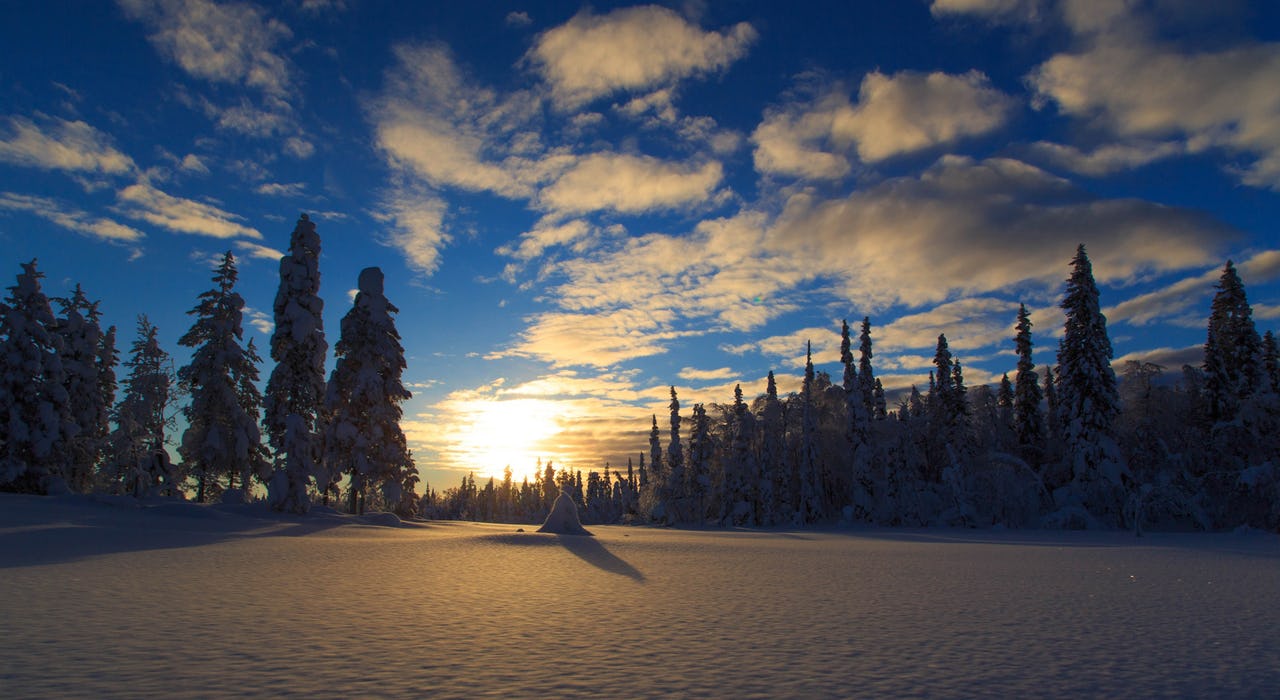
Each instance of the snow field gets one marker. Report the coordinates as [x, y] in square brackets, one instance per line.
[101, 600]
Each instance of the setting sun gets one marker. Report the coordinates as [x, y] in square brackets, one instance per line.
[497, 434]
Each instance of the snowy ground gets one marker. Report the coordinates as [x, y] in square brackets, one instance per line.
[104, 600]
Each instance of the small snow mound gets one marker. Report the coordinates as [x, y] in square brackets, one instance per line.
[563, 518]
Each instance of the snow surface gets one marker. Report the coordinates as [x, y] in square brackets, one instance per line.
[101, 598]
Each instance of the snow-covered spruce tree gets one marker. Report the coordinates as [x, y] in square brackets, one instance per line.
[86, 378]
[808, 498]
[701, 452]
[675, 488]
[773, 491]
[739, 502]
[222, 439]
[866, 381]
[654, 471]
[295, 390]
[1028, 420]
[138, 463]
[859, 400]
[1088, 402]
[35, 411]
[363, 438]
[1232, 350]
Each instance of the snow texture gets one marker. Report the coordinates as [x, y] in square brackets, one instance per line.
[563, 518]
[109, 599]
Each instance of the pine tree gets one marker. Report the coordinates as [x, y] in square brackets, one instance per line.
[363, 437]
[774, 482]
[36, 423]
[295, 393]
[808, 505]
[1027, 418]
[860, 408]
[701, 450]
[675, 452]
[655, 454]
[1270, 363]
[83, 361]
[1088, 400]
[1232, 349]
[222, 437]
[139, 464]
[866, 381]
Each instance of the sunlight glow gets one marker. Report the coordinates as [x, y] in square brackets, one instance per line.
[496, 434]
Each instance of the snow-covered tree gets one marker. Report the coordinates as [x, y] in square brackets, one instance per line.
[774, 485]
[363, 438]
[1027, 418]
[807, 480]
[701, 451]
[1271, 361]
[866, 381]
[860, 408]
[89, 369]
[1088, 400]
[675, 452]
[36, 423]
[1232, 350]
[138, 463]
[223, 438]
[295, 392]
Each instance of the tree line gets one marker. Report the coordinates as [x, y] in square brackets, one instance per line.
[303, 440]
[1072, 445]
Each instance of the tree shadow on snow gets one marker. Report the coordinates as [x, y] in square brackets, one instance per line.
[591, 551]
[584, 547]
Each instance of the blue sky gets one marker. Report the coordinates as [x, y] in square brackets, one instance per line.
[578, 206]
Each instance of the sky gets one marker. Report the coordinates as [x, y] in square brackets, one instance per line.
[579, 206]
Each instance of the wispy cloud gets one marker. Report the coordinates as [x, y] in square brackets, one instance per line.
[281, 189]
[416, 221]
[222, 43]
[71, 218]
[701, 375]
[144, 202]
[59, 144]
[261, 252]
[630, 185]
[635, 48]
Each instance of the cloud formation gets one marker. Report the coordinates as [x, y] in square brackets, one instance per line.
[59, 144]
[895, 114]
[144, 202]
[632, 49]
[71, 218]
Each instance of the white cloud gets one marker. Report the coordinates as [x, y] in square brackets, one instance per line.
[416, 219]
[518, 19]
[193, 163]
[1105, 159]
[1022, 10]
[634, 49]
[630, 184]
[546, 235]
[961, 229]
[58, 144]
[1186, 301]
[281, 189]
[1223, 99]
[691, 374]
[144, 202]
[222, 43]
[260, 320]
[71, 218]
[895, 114]
[262, 252]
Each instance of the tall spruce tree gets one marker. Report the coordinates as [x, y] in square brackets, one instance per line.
[36, 424]
[363, 438]
[1271, 361]
[1028, 420]
[222, 439]
[87, 367]
[1232, 350]
[1088, 399]
[774, 484]
[866, 381]
[295, 393]
[808, 479]
[139, 463]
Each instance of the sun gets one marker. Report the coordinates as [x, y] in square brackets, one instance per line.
[507, 433]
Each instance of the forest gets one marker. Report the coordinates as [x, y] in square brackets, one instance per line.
[1076, 445]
